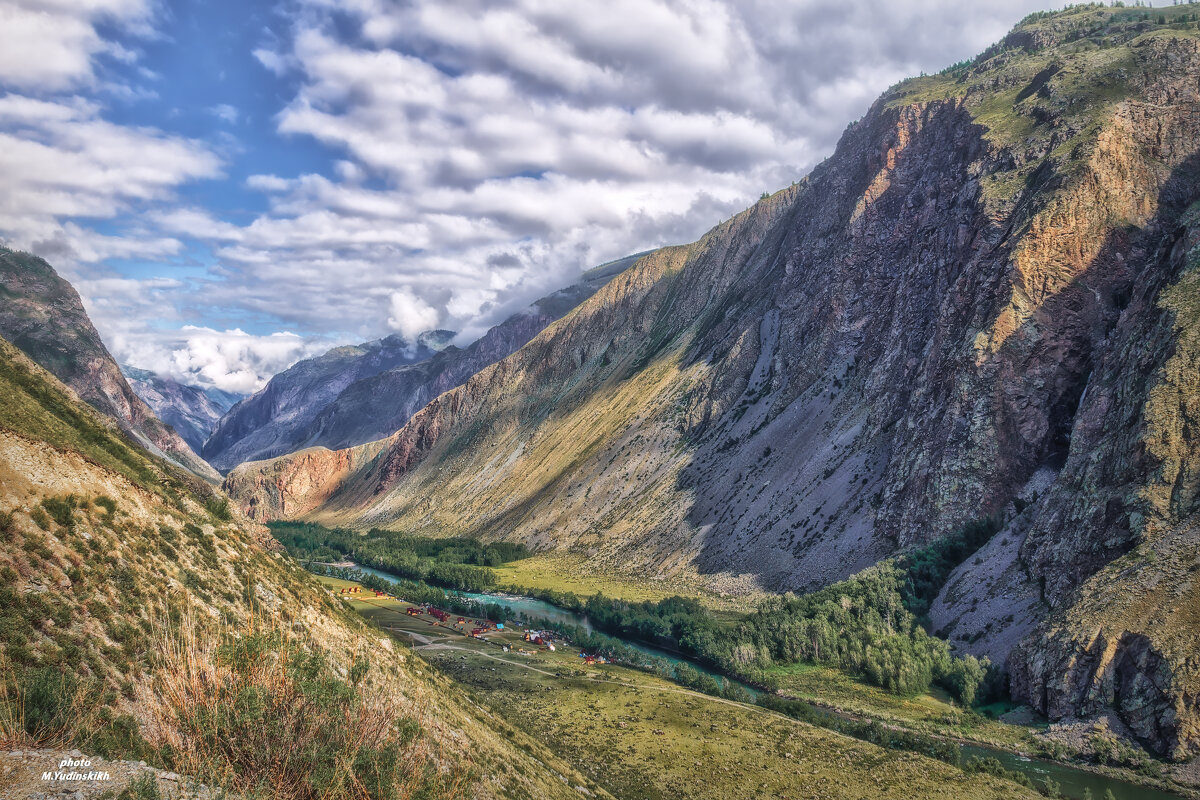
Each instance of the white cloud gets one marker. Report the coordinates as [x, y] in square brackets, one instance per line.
[225, 113]
[231, 360]
[60, 159]
[550, 137]
[52, 45]
[410, 314]
[273, 61]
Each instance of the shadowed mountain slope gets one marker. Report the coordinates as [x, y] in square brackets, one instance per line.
[274, 419]
[192, 411]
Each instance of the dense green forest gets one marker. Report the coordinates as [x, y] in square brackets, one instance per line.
[861, 625]
[870, 625]
[454, 563]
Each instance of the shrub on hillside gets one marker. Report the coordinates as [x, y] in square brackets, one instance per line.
[43, 706]
[62, 510]
[40, 518]
[218, 508]
[263, 713]
[143, 787]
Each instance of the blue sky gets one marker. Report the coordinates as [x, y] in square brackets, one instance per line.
[235, 185]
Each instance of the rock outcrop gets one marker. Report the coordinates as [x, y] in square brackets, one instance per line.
[298, 484]
[978, 304]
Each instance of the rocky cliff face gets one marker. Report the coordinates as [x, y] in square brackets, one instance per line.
[351, 396]
[1125, 636]
[192, 411]
[297, 484]
[42, 315]
[972, 307]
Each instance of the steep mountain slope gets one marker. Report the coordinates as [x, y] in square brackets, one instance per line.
[119, 590]
[191, 410]
[352, 401]
[136, 626]
[966, 310]
[42, 315]
[374, 407]
[273, 420]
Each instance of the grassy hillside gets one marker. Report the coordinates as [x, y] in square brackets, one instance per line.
[137, 623]
[43, 316]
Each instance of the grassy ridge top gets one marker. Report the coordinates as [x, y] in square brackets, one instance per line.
[1045, 90]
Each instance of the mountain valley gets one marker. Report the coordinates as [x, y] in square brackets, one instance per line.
[886, 486]
[968, 310]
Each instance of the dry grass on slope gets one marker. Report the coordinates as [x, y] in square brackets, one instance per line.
[262, 712]
[139, 624]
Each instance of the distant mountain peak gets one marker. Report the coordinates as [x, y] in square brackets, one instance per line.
[193, 411]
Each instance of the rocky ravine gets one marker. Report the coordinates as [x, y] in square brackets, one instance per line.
[966, 309]
[42, 315]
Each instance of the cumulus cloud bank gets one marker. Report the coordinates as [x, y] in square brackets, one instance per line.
[231, 360]
[410, 314]
[52, 45]
[477, 155]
